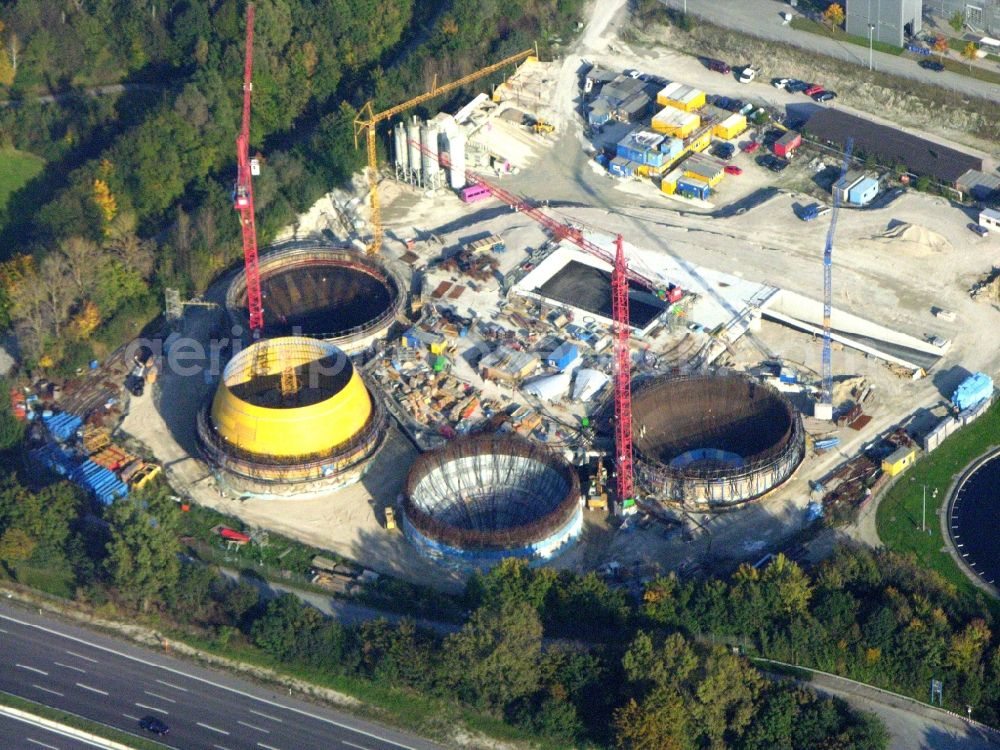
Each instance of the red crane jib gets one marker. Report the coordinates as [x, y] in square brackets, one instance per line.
[620, 277]
[243, 197]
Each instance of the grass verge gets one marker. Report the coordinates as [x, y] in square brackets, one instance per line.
[900, 512]
[78, 722]
[18, 168]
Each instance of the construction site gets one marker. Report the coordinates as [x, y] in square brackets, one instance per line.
[510, 350]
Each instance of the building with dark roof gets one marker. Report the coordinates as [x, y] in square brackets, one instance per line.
[891, 146]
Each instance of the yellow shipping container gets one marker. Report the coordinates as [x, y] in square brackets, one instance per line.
[702, 142]
[668, 184]
[710, 181]
[730, 127]
[680, 95]
[675, 122]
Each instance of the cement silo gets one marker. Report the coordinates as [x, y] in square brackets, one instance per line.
[401, 152]
[456, 152]
[429, 156]
[413, 142]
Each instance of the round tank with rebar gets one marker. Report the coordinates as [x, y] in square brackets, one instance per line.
[479, 500]
[715, 440]
[290, 416]
[331, 293]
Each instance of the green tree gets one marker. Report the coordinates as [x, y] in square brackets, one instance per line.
[662, 721]
[142, 554]
[11, 428]
[493, 660]
[957, 21]
[726, 697]
[284, 626]
[510, 581]
[15, 546]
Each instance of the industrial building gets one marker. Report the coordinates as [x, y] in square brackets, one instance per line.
[290, 416]
[980, 186]
[681, 96]
[899, 460]
[713, 440]
[980, 15]
[990, 219]
[480, 500]
[675, 122]
[704, 168]
[886, 21]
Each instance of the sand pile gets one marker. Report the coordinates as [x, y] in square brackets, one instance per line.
[913, 239]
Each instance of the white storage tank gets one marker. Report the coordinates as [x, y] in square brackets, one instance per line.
[429, 155]
[400, 147]
[413, 141]
[456, 151]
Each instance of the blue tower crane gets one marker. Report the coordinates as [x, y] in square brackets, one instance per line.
[824, 409]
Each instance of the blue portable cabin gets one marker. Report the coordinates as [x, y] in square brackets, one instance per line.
[972, 390]
[693, 188]
[622, 167]
[863, 191]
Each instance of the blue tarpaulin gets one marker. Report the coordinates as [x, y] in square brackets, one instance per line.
[972, 390]
[103, 484]
[62, 426]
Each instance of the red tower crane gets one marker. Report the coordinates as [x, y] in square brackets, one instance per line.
[620, 277]
[243, 194]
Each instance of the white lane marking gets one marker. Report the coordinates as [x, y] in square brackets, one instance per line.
[47, 690]
[37, 742]
[220, 747]
[259, 729]
[161, 697]
[4, 631]
[152, 708]
[67, 666]
[92, 689]
[32, 669]
[73, 653]
[266, 747]
[205, 681]
[360, 747]
[214, 729]
[169, 685]
[266, 716]
[130, 716]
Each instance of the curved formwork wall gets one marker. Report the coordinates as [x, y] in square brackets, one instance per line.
[479, 500]
[335, 294]
[715, 440]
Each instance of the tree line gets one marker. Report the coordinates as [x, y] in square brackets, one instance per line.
[169, 166]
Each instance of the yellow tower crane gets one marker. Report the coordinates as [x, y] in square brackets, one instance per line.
[367, 120]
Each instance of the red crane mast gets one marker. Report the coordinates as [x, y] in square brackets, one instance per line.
[620, 277]
[243, 194]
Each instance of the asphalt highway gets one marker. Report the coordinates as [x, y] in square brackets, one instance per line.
[18, 734]
[117, 683]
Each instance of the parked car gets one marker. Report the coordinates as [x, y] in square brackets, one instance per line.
[735, 105]
[631, 72]
[747, 74]
[733, 170]
[980, 230]
[811, 89]
[780, 83]
[772, 162]
[722, 102]
[814, 211]
[750, 147]
[154, 725]
[931, 65]
[719, 66]
[724, 150]
[795, 85]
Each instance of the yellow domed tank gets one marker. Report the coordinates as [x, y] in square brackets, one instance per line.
[290, 397]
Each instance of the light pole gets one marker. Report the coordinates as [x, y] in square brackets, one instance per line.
[871, 32]
[923, 512]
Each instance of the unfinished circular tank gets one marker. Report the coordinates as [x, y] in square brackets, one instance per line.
[479, 500]
[290, 416]
[318, 290]
[714, 440]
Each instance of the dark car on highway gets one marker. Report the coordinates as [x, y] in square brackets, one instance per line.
[154, 725]
[931, 65]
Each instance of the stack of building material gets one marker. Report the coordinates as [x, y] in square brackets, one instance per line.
[62, 426]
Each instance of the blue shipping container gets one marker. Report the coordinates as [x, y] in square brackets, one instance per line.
[972, 390]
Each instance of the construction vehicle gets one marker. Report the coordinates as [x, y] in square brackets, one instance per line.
[390, 518]
[367, 120]
[541, 126]
[597, 495]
